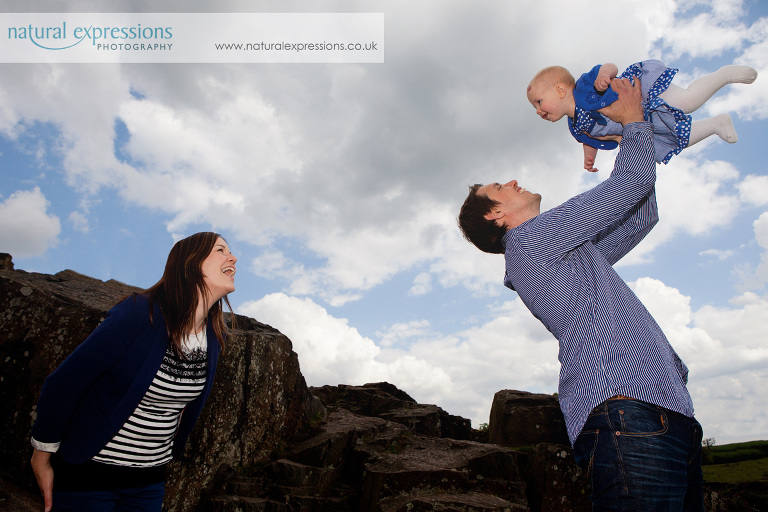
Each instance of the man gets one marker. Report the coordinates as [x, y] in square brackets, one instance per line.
[622, 387]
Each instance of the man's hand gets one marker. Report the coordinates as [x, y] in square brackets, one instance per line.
[629, 107]
[41, 466]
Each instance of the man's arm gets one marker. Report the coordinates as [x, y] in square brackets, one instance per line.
[621, 237]
[597, 215]
[625, 233]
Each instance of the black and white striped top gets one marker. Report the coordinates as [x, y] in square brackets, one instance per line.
[146, 438]
[561, 265]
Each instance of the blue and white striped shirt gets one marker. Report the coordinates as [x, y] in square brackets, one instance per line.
[560, 264]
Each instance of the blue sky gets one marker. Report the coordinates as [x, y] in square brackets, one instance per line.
[337, 186]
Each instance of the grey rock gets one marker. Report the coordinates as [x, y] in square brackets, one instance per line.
[259, 402]
[266, 442]
[519, 418]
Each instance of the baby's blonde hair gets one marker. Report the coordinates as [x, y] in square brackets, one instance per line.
[553, 75]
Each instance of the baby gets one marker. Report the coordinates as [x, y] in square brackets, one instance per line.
[554, 93]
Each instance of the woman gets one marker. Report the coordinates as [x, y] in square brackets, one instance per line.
[112, 411]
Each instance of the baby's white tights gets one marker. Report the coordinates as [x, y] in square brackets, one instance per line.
[722, 125]
[700, 90]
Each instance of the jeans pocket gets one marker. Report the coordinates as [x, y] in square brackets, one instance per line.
[584, 449]
[641, 419]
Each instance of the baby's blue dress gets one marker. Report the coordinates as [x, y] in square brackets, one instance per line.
[671, 127]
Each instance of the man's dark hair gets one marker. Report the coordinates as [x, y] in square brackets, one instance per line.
[483, 233]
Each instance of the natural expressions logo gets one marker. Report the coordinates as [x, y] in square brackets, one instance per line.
[62, 37]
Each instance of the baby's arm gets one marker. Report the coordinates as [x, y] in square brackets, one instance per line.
[608, 72]
[589, 157]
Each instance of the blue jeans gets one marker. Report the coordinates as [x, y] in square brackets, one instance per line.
[641, 457]
[148, 498]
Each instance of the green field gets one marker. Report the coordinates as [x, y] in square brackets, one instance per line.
[736, 463]
[737, 472]
[736, 452]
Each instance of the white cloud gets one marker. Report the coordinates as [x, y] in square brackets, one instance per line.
[704, 35]
[422, 284]
[79, 221]
[332, 352]
[359, 165]
[718, 253]
[754, 190]
[749, 101]
[63, 97]
[460, 373]
[429, 367]
[755, 277]
[692, 198]
[724, 350]
[26, 226]
[722, 347]
[337, 179]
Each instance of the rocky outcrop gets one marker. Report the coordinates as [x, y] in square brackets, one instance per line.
[385, 401]
[259, 401]
[6, 261]
[259, 404]
[380, 451]
[42, 319]
[266, 442]
[519, 418]
[742, 497]
[358, 463]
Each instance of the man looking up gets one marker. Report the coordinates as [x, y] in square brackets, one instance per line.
[622, 387]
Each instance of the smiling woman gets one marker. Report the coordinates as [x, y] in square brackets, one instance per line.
[109, 418]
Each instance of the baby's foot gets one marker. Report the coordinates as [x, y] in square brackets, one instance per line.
[724, 128]
[739, 74]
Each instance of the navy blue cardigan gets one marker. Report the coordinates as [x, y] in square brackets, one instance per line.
[89, 397]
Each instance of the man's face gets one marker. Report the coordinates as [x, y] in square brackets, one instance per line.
[514, 201]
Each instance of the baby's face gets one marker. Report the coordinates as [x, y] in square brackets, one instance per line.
[547, 101]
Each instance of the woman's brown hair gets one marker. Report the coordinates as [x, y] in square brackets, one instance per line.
[183, 283]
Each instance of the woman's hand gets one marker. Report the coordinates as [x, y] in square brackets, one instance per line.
[41, 466]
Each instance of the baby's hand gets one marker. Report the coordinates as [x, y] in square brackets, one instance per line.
[605, 74]
[602, 83]
[589, 158]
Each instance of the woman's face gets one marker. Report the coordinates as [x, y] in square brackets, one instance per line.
[219, 270]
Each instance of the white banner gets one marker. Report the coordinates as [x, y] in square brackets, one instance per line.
[191, 38]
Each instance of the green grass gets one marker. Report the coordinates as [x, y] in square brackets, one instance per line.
[737, 452]
[736, 472]
[736, 463]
